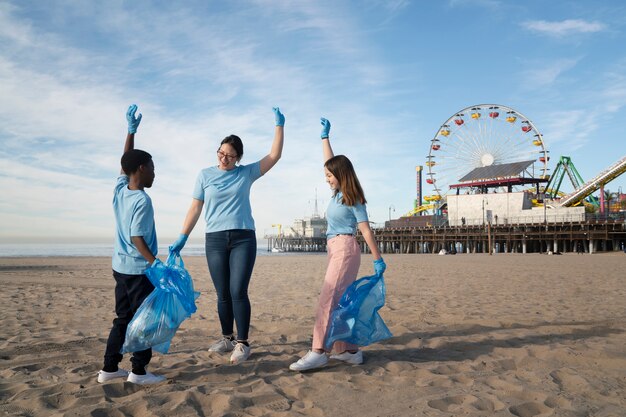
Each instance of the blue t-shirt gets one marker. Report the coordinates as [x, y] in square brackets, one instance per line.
[343, 219]
[226, 196]
[134, 216]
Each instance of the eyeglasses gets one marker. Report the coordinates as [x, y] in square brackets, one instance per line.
[226, 156]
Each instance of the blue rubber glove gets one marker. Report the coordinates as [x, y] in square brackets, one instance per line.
[179, 244]
[133, 122]
[280, 118]
[156, 263]
[325, 128]
[379, 266]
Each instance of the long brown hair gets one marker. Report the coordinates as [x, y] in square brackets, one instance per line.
[342, 169]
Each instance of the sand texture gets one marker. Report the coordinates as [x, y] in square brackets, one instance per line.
[474, 335]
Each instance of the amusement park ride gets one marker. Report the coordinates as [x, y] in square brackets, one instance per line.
[494, 147]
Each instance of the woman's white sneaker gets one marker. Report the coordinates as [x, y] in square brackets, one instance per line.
[223, 345]
[311, 360]
[353, 358]
[241, 353]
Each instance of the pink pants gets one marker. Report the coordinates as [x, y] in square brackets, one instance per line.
[344, 259]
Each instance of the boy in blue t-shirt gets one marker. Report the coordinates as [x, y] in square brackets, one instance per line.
[135, 251]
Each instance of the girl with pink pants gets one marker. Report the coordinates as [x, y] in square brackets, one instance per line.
[346, 211]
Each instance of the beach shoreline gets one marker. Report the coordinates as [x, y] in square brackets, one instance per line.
[474, 335]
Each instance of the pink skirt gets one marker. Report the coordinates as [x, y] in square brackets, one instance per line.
[344, 260]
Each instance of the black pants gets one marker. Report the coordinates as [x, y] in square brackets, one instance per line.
[130, 291]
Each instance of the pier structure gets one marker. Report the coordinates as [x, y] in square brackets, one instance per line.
[587, 236]
[296, 244]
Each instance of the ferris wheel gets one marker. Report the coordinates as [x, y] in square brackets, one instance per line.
[481, 136]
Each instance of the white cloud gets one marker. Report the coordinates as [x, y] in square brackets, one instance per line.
[563, 28]
[613, 93]
[545, 73]
[570, 129]
[12, 29]
[395, 6]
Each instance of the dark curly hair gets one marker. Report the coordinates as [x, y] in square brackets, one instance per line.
[133, 159]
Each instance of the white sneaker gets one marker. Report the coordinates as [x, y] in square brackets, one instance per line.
[107, 376]
[353, 358]
[311, 360]
[241, 353]
[223, 345]
[146, 379]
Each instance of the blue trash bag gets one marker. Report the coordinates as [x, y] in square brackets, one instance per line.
[164, 309]
[356, 320]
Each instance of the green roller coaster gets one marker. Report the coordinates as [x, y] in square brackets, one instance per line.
[563, 167]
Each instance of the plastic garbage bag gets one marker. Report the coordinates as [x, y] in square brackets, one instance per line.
[356, 320]
[164, 309]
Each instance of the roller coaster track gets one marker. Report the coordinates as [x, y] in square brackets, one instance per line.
[594, 184]
[419, 209]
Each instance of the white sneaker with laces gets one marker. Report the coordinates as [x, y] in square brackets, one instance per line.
[104, 376]
[241, 353]
[146, 379]
[223, 345]
[352, 358]
[311, 360]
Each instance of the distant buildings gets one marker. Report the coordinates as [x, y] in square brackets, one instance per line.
[314, 226]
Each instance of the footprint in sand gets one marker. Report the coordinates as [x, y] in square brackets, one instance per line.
[569, 380]
[558, 402]
[14, 411]
[464, 380]
[282, 405]
[441, 382]
[451, 403]
[501, 385]
[531, 409]
[274, 402]
[489, 404]
[483, 404]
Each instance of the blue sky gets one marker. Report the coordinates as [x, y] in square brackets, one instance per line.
[386, 74]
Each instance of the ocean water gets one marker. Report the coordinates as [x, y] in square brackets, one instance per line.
[98, 249]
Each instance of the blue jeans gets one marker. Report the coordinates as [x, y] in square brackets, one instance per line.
[230, 255]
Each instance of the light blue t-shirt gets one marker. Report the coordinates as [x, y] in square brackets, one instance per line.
[226, 196]
[134, 216]
[343, 219]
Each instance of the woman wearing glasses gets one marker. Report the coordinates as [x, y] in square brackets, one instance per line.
[230, 240]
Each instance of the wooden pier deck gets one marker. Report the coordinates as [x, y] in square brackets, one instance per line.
[589, 237]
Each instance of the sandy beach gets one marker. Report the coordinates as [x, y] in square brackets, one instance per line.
[474, 335]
